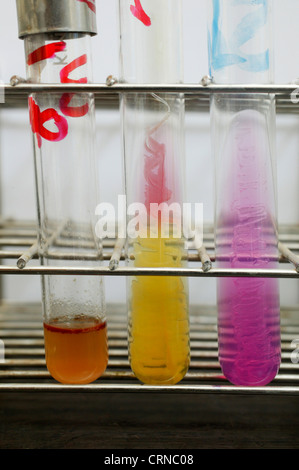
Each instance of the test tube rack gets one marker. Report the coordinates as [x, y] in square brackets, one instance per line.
[24, 368]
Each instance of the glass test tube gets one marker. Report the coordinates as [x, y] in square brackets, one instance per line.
[63, 129]
[153, 135]
[243, 135]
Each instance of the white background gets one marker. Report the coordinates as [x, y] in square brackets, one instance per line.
[17, 174]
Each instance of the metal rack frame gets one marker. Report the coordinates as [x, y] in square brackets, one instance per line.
[18, 242]
[197, 96]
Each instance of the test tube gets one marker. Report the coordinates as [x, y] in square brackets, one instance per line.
[57, 50]
[153, 136]
[246, 234]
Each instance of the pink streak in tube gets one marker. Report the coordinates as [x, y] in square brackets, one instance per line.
[248, 308]
[154, 173]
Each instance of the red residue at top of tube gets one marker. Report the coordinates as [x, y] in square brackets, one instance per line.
[65, 72]
[154, 173]
[139, 13]
[90, 4]
[45, 52]
[56, 329]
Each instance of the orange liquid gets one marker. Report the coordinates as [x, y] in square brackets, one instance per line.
[76, 350]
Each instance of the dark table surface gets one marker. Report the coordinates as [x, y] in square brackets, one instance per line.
[147, 421]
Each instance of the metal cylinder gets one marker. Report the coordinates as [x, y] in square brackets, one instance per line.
[56, 16]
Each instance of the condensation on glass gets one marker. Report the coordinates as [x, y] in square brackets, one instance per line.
[63, 128]
[153, 142]
[246, 234]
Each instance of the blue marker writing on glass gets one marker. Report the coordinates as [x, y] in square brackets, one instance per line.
[226, 51]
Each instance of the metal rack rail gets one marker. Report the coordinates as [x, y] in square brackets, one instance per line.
[197, 96]
[18, 243]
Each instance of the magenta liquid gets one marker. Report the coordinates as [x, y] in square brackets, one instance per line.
[246, 237]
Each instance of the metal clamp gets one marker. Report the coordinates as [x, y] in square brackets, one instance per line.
[55, 16]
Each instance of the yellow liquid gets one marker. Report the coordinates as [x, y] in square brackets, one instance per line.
[159, 350]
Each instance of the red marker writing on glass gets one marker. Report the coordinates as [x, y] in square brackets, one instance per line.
[139, 13]
[65, 72]
[38, 118]
[90, 4]
[45, 52]
[66, 98]
[72, 111]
